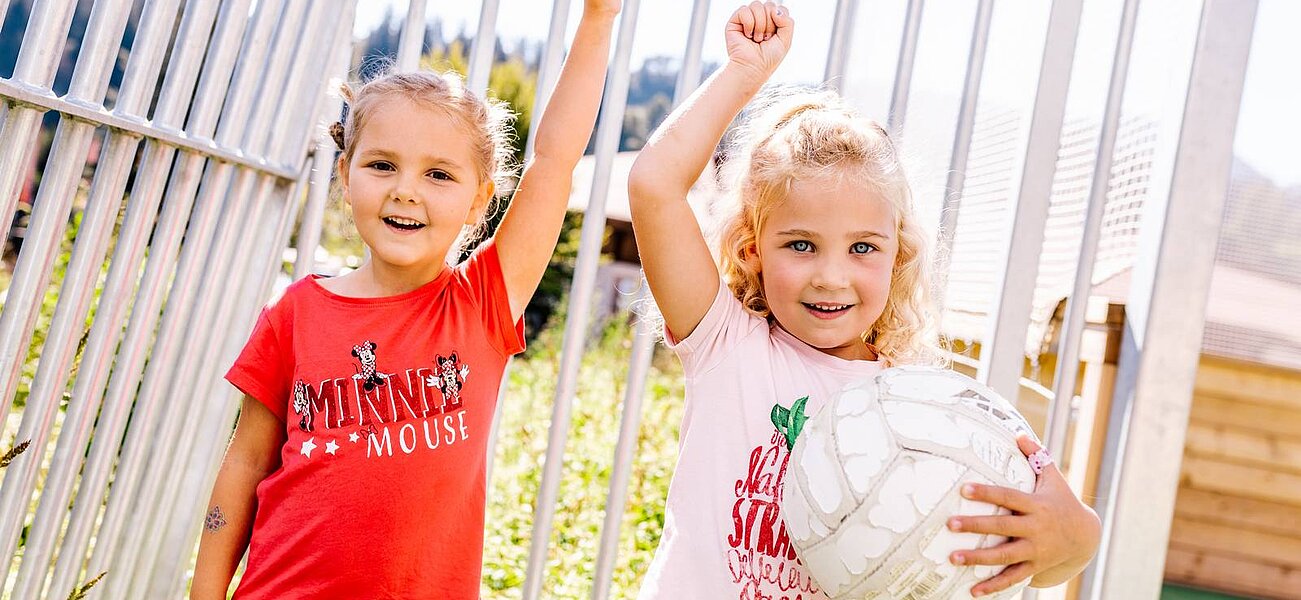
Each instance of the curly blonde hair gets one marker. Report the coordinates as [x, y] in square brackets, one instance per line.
[805, 134]
[487, 122]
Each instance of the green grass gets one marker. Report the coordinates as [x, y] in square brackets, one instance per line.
[1174, 592]
[521, 447]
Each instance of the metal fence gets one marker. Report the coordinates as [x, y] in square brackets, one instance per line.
[220, 166]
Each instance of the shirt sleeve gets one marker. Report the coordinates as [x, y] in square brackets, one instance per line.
[263, 369]
[488, 287]
[725, 325]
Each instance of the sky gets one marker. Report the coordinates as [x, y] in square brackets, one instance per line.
[1268, 121]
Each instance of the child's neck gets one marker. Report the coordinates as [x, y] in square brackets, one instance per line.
[375, 280]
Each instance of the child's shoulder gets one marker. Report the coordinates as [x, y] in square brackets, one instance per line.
[285, 301]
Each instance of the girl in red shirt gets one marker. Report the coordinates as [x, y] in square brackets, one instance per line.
[357, 465]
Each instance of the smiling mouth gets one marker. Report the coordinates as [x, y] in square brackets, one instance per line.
[827, 309]
[403, 224]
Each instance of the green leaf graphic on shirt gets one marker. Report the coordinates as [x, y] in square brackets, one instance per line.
[789, 421]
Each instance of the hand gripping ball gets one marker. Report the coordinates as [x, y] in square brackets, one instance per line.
[876, 473]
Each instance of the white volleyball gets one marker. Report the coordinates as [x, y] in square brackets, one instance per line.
[876, 473]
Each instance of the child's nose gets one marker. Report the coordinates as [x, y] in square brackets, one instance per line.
[831, 274]
[404, 192]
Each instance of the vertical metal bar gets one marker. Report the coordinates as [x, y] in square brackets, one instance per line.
[197, 436]
[296, 105]
[580, 296]
[412, 43]
[199, 439]
[548, 72]
[318, 193]
[480, 68]
[548, 68]
[690, 74]
[178, 359]
[49, 220]
[495, 426]
[52, 376]
[483, 48]
[953, 188]
[38, 61]
[1001, 356]
[214, 257]
[842, 26]
[1068, 349]
[643, 350]
[129, 477]
[903, 75]
[1164, 314]
[206, 456]
[309, 234]
[213, 419]
[135, 232]
[75, 295]
[172, 226]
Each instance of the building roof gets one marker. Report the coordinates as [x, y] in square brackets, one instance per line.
[701, 197]
[616, 201]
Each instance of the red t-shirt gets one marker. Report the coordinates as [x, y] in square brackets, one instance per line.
[387, 403]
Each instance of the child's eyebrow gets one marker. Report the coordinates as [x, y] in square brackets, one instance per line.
[436, 161]
[804, 233]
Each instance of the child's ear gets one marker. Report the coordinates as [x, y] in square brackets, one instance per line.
[341, 167]
[481, 198]
[751, 257]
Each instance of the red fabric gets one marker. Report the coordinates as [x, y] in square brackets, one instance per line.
[381, 489]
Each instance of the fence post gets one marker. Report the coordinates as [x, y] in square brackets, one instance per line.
[1164, 315]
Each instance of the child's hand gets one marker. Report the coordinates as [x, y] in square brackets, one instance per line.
[758, 36]
[602, 7]
[1051, 534]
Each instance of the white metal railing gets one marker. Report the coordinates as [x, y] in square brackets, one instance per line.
[227, 154]
[212, 161]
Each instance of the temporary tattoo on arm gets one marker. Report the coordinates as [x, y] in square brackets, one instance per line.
[214, 521]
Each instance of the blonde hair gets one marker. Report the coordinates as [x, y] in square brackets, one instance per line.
[487, 122]
[807, 134]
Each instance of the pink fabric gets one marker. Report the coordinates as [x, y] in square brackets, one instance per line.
[723, 534]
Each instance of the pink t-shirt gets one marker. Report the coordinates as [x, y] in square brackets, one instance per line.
[723, 533]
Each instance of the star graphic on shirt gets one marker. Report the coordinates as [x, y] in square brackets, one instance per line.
[353, 437]
[330, 447]
[308, 446]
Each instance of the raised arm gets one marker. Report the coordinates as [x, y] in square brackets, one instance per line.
[529, 231]
[679, 268]
[253, 454]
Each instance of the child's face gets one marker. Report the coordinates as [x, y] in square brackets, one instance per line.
[412, 183]
[826, 256]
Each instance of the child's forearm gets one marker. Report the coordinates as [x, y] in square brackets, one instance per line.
[570, 114]
[227, 525]
[681, 148]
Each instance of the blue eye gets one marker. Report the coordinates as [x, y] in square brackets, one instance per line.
[800, 246]
[862, 248]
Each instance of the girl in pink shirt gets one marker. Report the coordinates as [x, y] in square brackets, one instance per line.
[821, 280]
